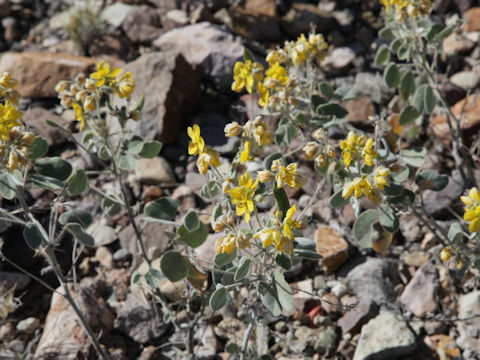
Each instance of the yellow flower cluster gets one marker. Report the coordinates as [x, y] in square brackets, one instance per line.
[242, 195]
[206, 155]
[356, 147]
[84, 94]
[15, 141]
[472, 209]
[253, 130]
[361, 185]
[412, 8]
[303, 50]
[282, 235]
[283, 175]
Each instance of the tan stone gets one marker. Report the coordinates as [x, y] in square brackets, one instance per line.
[38, 73]
[257, 7]
[457, 44]
[332, 246]
[472, 19]
[360, 109]
[467, 111]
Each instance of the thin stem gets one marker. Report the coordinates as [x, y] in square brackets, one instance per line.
[246, 336]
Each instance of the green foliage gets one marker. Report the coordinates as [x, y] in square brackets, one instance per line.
[218, 298]
[362, 228]
[53, 167]
[163, 208]
[174, 266]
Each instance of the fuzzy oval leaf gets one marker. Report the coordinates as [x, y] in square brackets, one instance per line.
[455, 233]
[414, 157]
[7, 186]
[326, 90]
[210, 189]
[193, 238]
[76, 216]
[32, 235]
[224, 259]
[191, 221]
[173, 266]
[54, 167]
[387, 218]
[383, 55]
[408, 115]
[243, 269]
[269, 298]
[163, 208]
[39, 148]
[77, 182]
[284, 134]
[218, 298]
[332, 109]
[429, 100]
[392, 76]
[419, 98]
[126, 162]
[283, 290]
[283, 261]
[79, 233]
[304, 243]
[337, 200]
[151, 149]
[47, 182]
[281, 200]
[362, 229]
[431, 179]
[408, 84]
[134, 145]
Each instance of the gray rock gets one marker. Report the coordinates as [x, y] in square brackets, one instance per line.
[419, 294]
[437, 202]
[373, 86]
[385, 337]
[154, 239]
[210, 47]
[353, 320]
[141, 324]
[469, 330]
[35, 118]
[172, 89]
[410, 228]
[57, 341]
[467, 80]
[116, 13]
[10, 279]
[103, 234]
[143, 24]
[104, 257]
[122, 255]
[154, 171]
[306, 334]
[326, 340]
[28, 325]
[374, 280]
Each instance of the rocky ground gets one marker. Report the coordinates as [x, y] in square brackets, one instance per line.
[406, 304]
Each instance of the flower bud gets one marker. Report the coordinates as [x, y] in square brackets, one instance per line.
[276, 164]
[243, 242]
[330, 151]
[227, 185]
[90, 84]
[89, 104]
[233, 129]
[321, 160]
[218, 226]
[12, 162]
[264, 176]
[229, 220]
[460, 262]
[28, 137]
[320, 135]
[446, 253]
[80, 79]
[61, 86]
[310, 150]
[81, 95]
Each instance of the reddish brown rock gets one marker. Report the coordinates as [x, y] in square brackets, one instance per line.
[38, 73]
[360, 109]
[258, 7]
[467, 111]
[332, 246]
[353, 320]
[472, 19]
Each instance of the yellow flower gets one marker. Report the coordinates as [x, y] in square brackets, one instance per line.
[310, 150]
[208, 157]
[227, 185]
[225, 244]
[276, 56]
[242, 196]
[318, 46]
[380, 177]
[472, 209]
[125, 85]
[278, 73]
[369, 152]
[289, 224]
[79, 115]
[361, 185]
[7, 82]
[300, 50]
[261, 134]
[195, 147]
[9, 118]
[268, 237]
[245, 75]
[264, 95]
[104, 74]
[245, 154]
[233, 129]
[288, 175]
